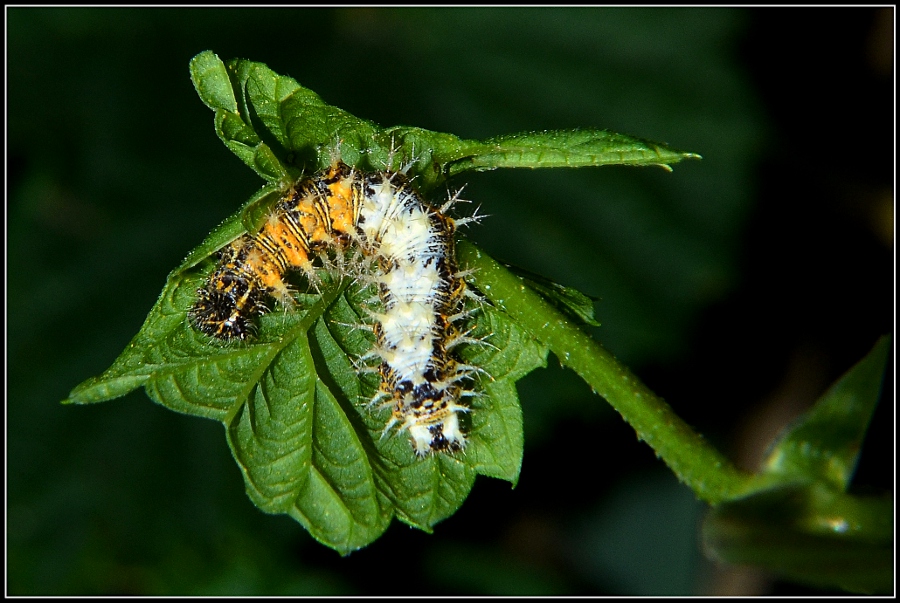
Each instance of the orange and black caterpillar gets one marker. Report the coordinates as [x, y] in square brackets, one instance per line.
[418, 283]
[317, 212]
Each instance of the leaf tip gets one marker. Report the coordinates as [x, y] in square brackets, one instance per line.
[211, 82]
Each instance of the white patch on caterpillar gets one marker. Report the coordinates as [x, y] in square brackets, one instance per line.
[408, 253]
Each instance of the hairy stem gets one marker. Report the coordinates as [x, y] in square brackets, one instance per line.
[694, 461]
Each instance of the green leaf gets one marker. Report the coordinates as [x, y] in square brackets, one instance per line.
[824, 444]
[573, 303]
[272, 435]
[293, 404]
[282, 130]
[215, 83]
[812, 535]
[212, 83]
[800, 523]
[497, 418]
[342, 507]
[569, 148]
[295, 413]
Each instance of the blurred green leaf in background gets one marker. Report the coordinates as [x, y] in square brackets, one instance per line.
[738, 287]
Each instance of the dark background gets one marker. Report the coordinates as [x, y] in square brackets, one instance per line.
[738, 287]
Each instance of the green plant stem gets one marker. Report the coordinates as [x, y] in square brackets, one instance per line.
[694, 461]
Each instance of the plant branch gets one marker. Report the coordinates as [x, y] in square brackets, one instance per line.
[694, 461]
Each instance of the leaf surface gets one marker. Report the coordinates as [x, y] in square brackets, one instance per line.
[293, 404]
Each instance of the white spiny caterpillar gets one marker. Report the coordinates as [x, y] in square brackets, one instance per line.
[411, 247]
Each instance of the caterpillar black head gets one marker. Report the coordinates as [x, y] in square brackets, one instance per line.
[228, 306]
